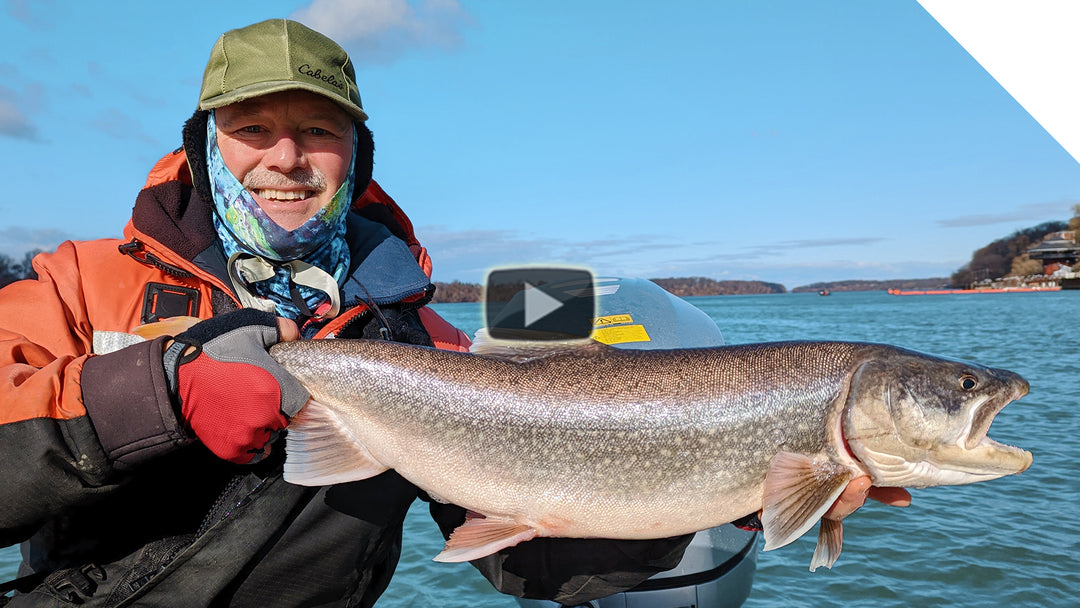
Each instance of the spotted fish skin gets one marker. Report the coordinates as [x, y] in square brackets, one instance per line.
[586, 440]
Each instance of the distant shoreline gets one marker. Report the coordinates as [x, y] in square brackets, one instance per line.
[456, 291]
[860, 285]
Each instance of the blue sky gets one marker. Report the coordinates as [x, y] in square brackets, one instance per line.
[784, 141]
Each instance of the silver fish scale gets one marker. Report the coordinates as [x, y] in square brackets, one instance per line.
[613, 425]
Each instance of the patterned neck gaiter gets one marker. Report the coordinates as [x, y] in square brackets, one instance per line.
[245, 231]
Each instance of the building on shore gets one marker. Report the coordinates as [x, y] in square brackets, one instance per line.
[1059, 254]
[1055, 251]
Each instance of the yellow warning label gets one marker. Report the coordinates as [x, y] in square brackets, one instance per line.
[620, 334]
[612, 320]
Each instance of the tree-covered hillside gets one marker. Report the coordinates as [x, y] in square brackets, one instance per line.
[1007, 257]
[11, 271]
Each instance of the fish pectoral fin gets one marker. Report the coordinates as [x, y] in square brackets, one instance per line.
[830, 540]
[320, 450]
[481, 536]
[798, 491]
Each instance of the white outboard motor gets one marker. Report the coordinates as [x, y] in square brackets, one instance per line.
[717, 569]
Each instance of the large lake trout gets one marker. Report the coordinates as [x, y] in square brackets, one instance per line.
[588, 440]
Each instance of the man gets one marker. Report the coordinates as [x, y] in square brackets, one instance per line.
[149, 472]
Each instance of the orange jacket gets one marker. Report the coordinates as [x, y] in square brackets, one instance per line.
[47, 326]
[88, 297]
[96, 471]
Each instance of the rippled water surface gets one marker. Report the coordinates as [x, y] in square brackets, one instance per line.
[1009, 542]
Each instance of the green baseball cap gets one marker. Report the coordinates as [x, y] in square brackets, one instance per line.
[278, 55]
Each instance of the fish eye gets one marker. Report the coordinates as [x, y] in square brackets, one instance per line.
[968, 382]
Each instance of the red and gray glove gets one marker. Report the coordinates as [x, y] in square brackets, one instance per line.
[230, 391]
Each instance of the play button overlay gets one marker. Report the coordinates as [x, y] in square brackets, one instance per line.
[541, 303]
[538, 304]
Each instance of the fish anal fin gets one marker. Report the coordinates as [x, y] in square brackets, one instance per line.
[482, 536]
[320, 450]
[798, 491]
[830, 540]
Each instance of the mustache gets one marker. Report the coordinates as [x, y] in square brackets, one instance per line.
[307, 178]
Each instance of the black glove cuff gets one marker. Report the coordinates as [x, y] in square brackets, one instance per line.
[126, 397]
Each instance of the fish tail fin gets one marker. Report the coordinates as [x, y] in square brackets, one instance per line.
[481, 536]
[798, 491]
[829, 542]
[320, 450]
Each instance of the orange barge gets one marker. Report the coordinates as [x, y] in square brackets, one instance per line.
[936, 292]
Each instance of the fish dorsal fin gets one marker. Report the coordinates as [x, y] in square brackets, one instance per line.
[798, 491]
[320, 450]
[481, 536]
[520, 351]
[830, 540]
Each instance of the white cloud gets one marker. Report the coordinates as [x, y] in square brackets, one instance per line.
[118, 125]
[1031, 212]
[40, 15]
[380, 31]
[16, 241]
[468, 255]
[13, 123]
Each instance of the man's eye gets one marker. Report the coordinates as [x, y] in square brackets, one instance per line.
[319, 131]
[251, 129]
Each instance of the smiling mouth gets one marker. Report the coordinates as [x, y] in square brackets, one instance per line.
[283, 195]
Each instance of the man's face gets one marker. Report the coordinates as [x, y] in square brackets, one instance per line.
[291, 150]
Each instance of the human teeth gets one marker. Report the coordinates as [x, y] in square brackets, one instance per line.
[284, 195]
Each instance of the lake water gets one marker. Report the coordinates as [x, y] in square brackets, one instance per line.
[1009, 542]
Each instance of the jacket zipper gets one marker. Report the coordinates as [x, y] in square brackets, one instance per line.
[134, 246]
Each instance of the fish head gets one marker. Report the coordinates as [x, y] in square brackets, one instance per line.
[914, 420]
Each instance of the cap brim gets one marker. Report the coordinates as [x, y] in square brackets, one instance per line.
[266, 88]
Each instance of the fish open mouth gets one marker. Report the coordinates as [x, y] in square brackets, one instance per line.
[981, 455]
[982, 416]
[905, 441]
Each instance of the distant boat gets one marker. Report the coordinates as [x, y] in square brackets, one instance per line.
[824, 292]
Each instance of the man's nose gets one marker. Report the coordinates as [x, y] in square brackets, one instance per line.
[286, 155]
